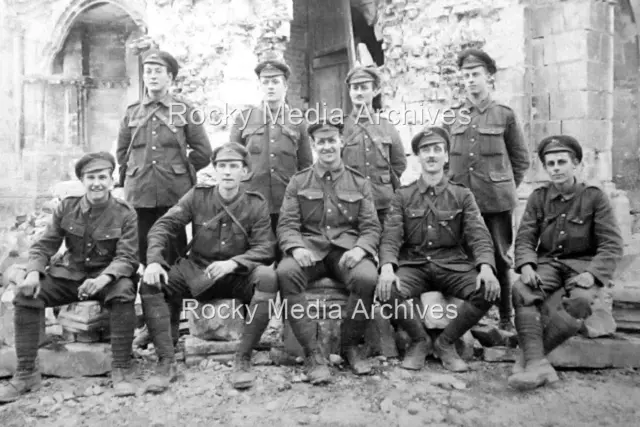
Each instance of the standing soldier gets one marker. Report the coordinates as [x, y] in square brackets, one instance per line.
[422, 250]
[372, 145]
[232, 242]
[567, 248]
[489, 156]
[278, 143]
[155, 169]
[328, 227]
[101, 236]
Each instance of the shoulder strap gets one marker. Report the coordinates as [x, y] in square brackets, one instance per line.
[394, 177]
[182, 142]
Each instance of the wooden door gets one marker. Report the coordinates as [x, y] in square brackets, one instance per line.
[332, 55]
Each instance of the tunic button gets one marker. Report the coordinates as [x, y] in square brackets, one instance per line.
[155, 118]
[329, 210]
[328, 227]
[473, 126]
[367, 163]
[555, 258]
[223, 242]
[430, 243]
[429, 226]
[89, 244]
[562, 232]
[88, 259]
[428, 258]
[154, 162]
[272, 169]
[153, 148]
[273, 127]
[471, 154]
[224, 225]
[563, 215]
[473, 139]
[70, 228]
[273, 140]
[368, 149]
[273, 155]
[350, 218]
[559, 246]
[153, 133]
[471, 169]
[368, 177]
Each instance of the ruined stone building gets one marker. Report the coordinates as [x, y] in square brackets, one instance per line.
[70, 67]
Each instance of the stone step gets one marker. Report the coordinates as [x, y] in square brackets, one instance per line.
[217, 320]
[66, 361]
[194, 346]
[83, 316]
[618, 351]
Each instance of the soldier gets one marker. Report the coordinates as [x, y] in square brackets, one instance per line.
[372, 145]
[101, 236]
[232, 242]
[276, 139]
[422, 250]
[490, 157]
[567, 247]
[155, 169]
[328, 227]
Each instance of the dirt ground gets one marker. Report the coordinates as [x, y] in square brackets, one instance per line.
[391, 396]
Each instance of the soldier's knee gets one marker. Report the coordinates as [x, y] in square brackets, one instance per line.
[146, 289]
[521, 294]
[266, 279]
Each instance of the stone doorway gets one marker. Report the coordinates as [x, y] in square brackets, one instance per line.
[626, 99]
[93, 77]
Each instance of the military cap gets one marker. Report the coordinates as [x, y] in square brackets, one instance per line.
[92, 162]
[363, 74]
[324, 125]
[471, 58]
[560, 144]
[272, 68]
[230, 151]
[161, 57]
[428, 136]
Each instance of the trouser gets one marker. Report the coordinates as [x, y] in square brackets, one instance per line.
[185, 271]
[360, 281]
[500, 226]
[274, 226]
[382, 213]
[118, 297]
[176, 245]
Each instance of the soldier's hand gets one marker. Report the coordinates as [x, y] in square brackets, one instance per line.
[352, 257]
[30, 286]
[491, 284]
[529, 277]
[154, 275]
[303, 256]
[218, 269]
[583, 280]
[91, 287]
[386, 281]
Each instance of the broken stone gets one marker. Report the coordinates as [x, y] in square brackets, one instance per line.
[601, 322]
[488, 336]
[76, 360]
[216, 320]
[14, 275]
[335, 359]
[47, 400]
[626, 308]
[447, 382]
[273, 405]
[500, 354]
[194, 346]
[387, 405]
[413, 408]
[8, 361]
[281, 357]
[619, 351]
[464, 346]
[262, 358]
[84, 316]
[438, 310]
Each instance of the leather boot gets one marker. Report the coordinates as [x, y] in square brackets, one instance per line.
[242, 376]
[21, 383]
[421, 344]
[157, 316]
[561, 327]
[305, 330]
[538, 371]
[123, 384]
[444, 347]
[353, 330]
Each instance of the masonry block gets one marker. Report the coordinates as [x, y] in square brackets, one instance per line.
[579, 104]
[600, 76]
[540, 107]
[626, 308]
[619, 351]
[601, 323]
[194, 346]
[590, 133]
[217, 320]
[537, 52]
[542, 129]
[84, 316]
[500, 354]
[568, 46]
[511, 80]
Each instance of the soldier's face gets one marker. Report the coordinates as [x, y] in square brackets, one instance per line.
[561, 167]
[156, 77]
[476, 80]
[327, 146]
[97, 185]
[273, 88]
[230, 173]
[433, 157]
[362, 93]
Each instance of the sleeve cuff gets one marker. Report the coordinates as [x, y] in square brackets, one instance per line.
[520, 264]
[39, 266]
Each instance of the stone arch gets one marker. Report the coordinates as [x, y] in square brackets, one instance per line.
[135, 9]
[626, 97]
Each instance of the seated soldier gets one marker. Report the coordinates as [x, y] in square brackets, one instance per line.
[101, 236]
[231, 247]
[328, 227]
[567, 247]
[422, 250]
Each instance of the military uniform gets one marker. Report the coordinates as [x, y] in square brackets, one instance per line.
[424, 240]
[560, 236]
[158, 169]
[489, 155]
[328, 212]
[279, 146]
[238, 229]
[100, 240]
[373, 146]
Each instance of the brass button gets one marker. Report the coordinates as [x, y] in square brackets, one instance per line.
[471, 169]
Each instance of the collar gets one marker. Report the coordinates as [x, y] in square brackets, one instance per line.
[218, 201]
[335, 174]
[85, 206]
[166, 100]
[439, 188]
[481, 106]
[554, 193]
[364, 115]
